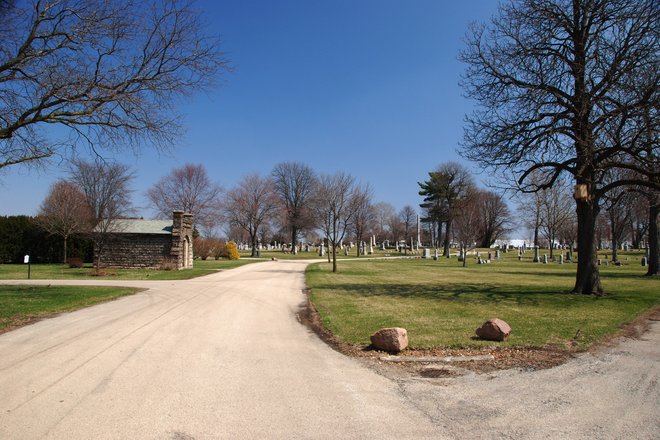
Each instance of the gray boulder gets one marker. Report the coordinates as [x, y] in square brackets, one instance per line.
[494, 330]
[392, 339]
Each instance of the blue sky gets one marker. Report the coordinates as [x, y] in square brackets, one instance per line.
[368, 87]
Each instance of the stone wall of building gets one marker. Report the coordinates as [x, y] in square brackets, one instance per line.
[137, 251]
[181, 253]
[152, 250]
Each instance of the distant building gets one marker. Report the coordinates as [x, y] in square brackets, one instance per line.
[155, 244]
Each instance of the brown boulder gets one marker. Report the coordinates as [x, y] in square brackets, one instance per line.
[390, 339]
[494, 330]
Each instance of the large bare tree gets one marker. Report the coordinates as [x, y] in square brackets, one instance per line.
[250, 205]
[294, 183]
[65, 212]
[108, 73]
[554, 80]
[332, 208]
[188, 189]
[107, 190]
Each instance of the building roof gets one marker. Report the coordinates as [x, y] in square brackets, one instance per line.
[140, 226]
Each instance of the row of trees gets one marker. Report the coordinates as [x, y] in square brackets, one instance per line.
[289, 204]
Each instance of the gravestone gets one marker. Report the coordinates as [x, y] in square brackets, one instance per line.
[497, 254]
[536, 255]
[644, 261]
[435, 254]
[427, 253]
[321, 250]
[382, 246]
[561, 259]
[545, 259]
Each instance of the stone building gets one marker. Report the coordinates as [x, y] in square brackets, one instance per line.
[156, 244]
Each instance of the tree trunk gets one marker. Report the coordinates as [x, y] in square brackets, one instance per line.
[445, 252]
[587, 279]
[65, 242]
[334, 258]
[294, 234]
[536, 235]
[438, 236]
[615, 238]
[552, 245]
[653, 263]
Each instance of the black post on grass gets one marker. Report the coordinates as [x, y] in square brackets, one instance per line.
[26, 260]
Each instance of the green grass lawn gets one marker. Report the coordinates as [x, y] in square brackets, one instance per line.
[61, 271]
[441, 303]
[20, 305]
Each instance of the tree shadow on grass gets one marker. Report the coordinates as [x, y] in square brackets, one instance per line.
[463, 292]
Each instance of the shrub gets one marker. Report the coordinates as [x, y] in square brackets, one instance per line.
[168, 265]
[75, 262]
[203, 247]
[220, 250]
[232, 251]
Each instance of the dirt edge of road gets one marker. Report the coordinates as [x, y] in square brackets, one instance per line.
[503, 358]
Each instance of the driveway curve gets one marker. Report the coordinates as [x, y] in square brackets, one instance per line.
[224, 356]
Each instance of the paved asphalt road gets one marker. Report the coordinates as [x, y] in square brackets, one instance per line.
[224, 356]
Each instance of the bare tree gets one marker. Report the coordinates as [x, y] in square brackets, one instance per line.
[557, 210]
[106, 187]
[467, 221]
[108, 73]
[364, 216]
[188, 189]
[639, 217]
[530, 207]
[553, 80]
[617, 213]
[408, 218]
[250, 205]
[383, 211]
[495, 218]
[332, 209]
[65, 212]
[446, 187]
[294, 183]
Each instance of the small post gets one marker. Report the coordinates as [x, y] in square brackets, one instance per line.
[26, 260]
